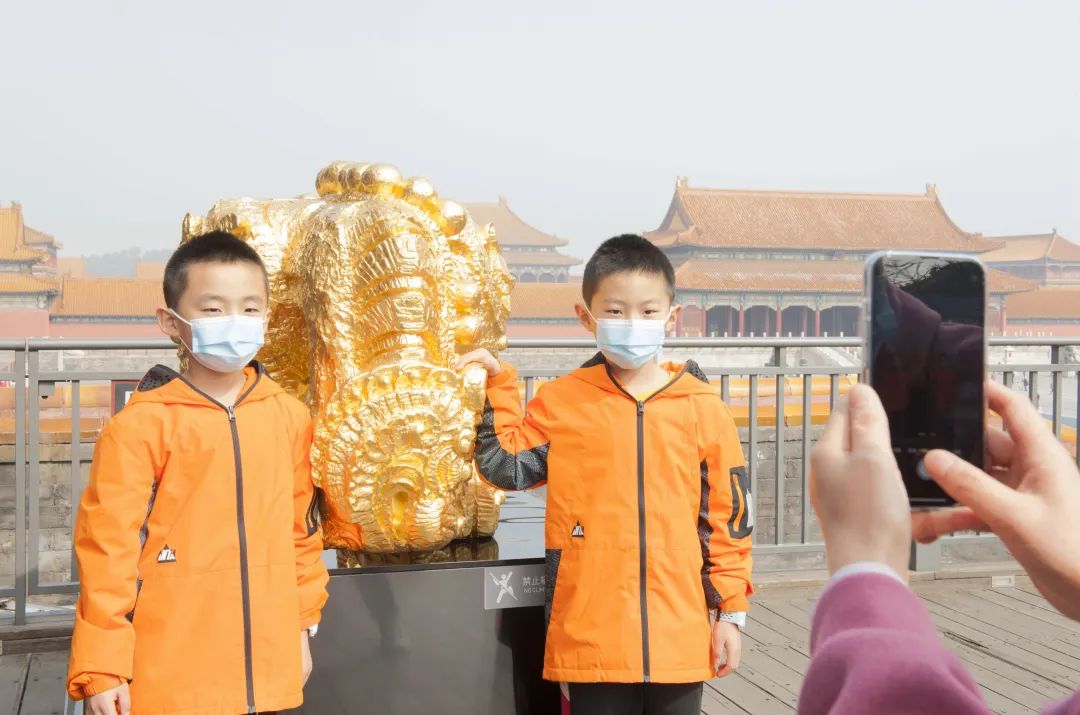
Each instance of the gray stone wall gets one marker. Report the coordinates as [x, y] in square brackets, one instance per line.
[54, 508]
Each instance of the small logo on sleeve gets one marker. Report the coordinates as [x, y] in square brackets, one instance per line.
[578, 531]
[166, 556]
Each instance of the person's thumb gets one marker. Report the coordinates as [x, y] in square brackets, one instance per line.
[989, 499]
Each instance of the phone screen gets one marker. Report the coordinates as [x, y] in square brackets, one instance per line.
[927, 361]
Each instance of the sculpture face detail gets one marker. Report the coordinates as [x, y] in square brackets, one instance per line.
[376, 287]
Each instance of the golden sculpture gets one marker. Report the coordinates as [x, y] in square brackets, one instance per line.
[376, 287]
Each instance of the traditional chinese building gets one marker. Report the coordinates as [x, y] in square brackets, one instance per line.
[27, 263]
[778, 263]
[1047, 258]
[95, 307]
[531, 255]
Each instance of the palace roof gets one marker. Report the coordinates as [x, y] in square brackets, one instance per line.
[801, 220]
[1024, 249]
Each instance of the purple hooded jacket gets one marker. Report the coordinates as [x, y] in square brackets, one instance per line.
[874, 650]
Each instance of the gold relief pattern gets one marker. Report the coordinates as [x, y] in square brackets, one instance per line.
[376, 287]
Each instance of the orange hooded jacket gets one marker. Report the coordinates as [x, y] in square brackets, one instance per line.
[648, 518]
[199, 551]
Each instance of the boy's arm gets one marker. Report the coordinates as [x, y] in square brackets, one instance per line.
[512, 446]
[725, 522]
[108, 542]
[311, 573]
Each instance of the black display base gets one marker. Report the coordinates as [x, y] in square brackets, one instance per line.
[446, 637]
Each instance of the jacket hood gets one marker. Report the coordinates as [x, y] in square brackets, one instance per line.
[166, 386]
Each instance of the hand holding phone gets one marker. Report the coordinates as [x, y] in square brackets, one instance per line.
[926, 358]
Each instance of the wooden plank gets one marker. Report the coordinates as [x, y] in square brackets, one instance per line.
[45, 685]
[775, 677]
[1018, 656]
[789, 656]
[1003, 703]
[787, 609]
[1002, 619]
[1041, 614]
[793, 632]
[1041, 686]
[13, 670]
[749, 696]
[1025, 597]
[760, 630]
[713, 703]
[948, 626]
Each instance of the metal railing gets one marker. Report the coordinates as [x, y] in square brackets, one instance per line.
[31, 381]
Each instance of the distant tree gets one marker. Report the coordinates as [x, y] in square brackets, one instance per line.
[121, 264]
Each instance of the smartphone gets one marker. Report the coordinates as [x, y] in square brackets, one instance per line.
[925, 352]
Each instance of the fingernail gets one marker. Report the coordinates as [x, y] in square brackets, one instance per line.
[938, 461]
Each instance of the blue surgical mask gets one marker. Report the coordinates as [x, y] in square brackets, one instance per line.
[629, 344]
[225, 343]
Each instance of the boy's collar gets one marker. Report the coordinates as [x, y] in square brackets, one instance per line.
[596, 371]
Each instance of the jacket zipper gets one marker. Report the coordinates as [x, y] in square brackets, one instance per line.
[245, 586]
[642, 553]
[642, 550]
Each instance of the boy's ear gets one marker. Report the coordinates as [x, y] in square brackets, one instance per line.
[168, 324]
[586, 320]
[673, 320]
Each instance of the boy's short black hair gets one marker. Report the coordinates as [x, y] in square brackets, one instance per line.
[628, 253]
[213, 247]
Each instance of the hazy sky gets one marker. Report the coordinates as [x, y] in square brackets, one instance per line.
[116, 118]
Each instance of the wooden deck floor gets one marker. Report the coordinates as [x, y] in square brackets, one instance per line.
[1020, 651]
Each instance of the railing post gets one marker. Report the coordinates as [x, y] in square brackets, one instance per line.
[20, 487]
[925, 557]
[751, 458]
[779, 433]
[1056, 388]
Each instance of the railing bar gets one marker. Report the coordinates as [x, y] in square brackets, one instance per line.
[1033, 388]
[89, 376]
[46, 344]
[725, 388]
[807, 420]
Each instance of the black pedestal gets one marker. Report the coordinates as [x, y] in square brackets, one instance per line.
[465, 635]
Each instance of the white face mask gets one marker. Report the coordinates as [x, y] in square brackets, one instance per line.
[629, 344]
[225, 343]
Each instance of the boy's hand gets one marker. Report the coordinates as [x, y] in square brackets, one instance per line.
[1030, 498]
[726, 648]
[305, 656]
[856, 488]
[111, 702]
[480, 357]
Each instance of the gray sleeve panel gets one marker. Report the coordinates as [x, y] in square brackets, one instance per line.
[512, 472]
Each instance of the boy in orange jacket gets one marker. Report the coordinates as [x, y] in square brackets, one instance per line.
[648, 505]
[197, 540]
